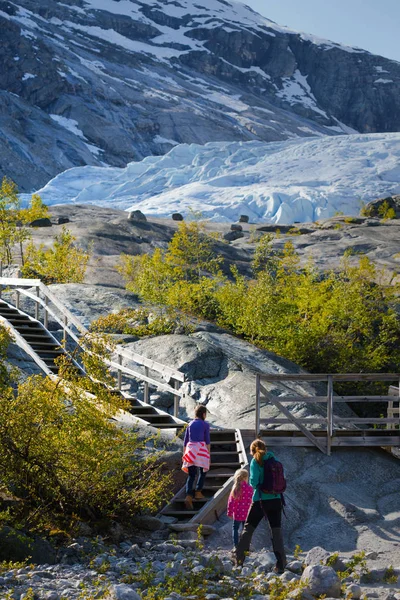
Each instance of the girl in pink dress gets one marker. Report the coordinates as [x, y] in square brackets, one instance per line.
[239, 502]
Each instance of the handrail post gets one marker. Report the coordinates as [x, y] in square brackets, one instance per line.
[176, 399]
[46, 314]
[257, 423]
[119, 374]
[37, 304]
[65, 320]
[146, 395]
[17, 296]
[329, 416]
[398, 407]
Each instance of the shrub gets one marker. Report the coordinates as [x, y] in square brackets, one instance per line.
[62, 263]
[342, 321]
[64, 456]
[385, 211]
[140, 322]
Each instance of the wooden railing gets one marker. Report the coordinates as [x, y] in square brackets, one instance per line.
[394, 405]
[329, 421]
[46, 304]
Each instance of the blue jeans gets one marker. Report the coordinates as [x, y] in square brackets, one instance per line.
[235, 531]
[191, 478]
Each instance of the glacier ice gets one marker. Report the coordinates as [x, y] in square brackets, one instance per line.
[279, 182]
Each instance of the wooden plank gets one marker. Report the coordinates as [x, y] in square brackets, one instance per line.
[337, 399]
[278, 421]
[329, 415]
[365, 420]
[289, 415]
[19, 282]
[335, 377]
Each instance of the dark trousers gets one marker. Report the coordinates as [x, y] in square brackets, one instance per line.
[191, 479]
[272, 510]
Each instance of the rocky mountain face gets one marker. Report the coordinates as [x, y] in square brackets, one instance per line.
[90, 82]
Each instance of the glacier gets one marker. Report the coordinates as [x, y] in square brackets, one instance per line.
[297, 180]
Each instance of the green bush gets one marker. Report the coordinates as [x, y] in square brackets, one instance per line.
[63, 262]
[342, 321]
[65, 458]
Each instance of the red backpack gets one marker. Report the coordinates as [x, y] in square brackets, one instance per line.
[274, 481]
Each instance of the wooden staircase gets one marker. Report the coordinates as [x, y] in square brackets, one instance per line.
[40, 343]
[227, 455]
[227, 449]
[44, 348]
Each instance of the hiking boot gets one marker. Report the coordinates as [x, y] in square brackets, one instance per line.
[199, 496]
[189, 502]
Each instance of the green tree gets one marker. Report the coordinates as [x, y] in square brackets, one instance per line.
[14, 220]
[63, 262]
[190, 252]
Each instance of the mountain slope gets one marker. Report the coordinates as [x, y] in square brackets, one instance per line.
[107, 82]
[297, 180]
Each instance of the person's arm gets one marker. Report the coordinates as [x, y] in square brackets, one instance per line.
[254, 474]
[186, 439]
[207, 436]
[231, 502]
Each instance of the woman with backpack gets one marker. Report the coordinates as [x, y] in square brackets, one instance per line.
[266, 477]
[196, 455]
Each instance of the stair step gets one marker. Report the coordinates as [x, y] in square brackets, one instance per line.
[144, 413]
[218, 465]
[177, 513]
[160, 419]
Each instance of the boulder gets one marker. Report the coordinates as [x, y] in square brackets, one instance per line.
[353, 591]
[149, 523]
[321, 580]
[137, 215]
[233, 235]
[44, 222]
[177, 217]
[121, 591]
[236, 227]
[62, 220]
[244, 219]
[316, 555]
[19, 546]
[376, 208]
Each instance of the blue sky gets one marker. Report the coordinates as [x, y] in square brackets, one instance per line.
[370, 24]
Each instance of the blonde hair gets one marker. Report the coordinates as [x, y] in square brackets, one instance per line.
[258, 449]
[240, 475]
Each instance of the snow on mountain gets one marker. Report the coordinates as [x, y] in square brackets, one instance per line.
[280, 182]
[94, 82]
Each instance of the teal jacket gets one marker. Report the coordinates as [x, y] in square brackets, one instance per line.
[257, 476]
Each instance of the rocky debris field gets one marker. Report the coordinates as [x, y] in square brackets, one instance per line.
[109, 232]
[169, 566]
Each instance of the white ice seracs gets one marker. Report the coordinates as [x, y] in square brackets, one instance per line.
[282, 182]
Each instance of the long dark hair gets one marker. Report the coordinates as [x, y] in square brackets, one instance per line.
[200, 412]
